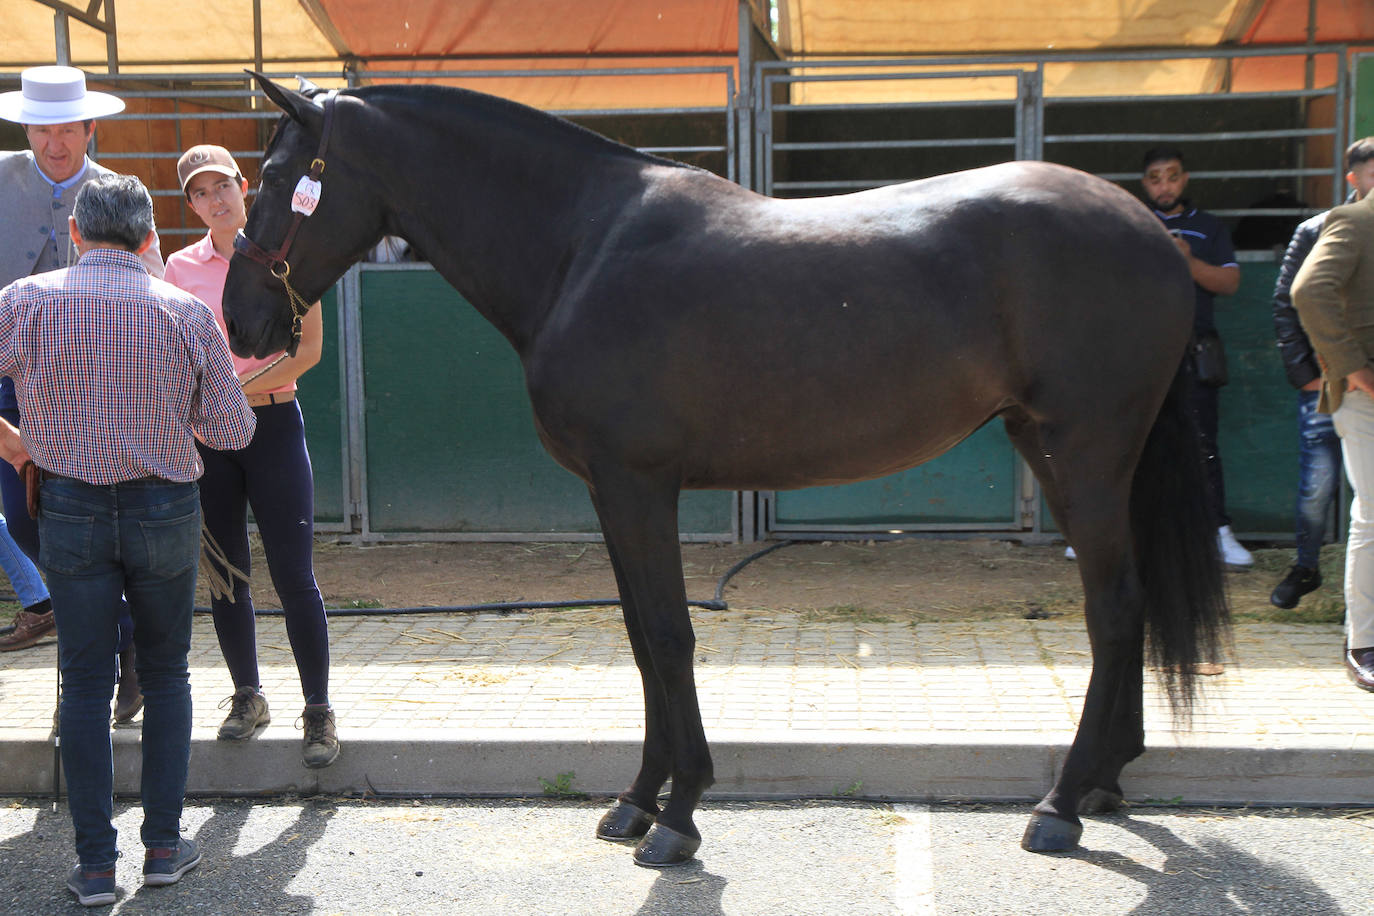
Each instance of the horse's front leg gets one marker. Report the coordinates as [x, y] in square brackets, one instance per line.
[639, 520]
[636, 808]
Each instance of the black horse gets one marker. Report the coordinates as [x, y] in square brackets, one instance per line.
[678, 331]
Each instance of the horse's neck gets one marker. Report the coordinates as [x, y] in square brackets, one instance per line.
[500, 214]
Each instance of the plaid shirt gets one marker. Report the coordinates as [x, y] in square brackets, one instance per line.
[115, 371]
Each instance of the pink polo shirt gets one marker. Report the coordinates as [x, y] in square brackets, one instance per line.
[200, 270]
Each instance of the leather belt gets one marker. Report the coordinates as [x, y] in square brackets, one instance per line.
[33, 477]
[263, 399]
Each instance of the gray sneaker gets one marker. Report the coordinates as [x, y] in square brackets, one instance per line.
[321, 743]
[166, 866]
[92, 888]
[247, 712]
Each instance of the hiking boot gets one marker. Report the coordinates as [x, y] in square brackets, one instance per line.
[31, 625]
[128, 698]
[92, 888]
[247, 712]
[1299, 581]
[321, 743]
[163, 866]
[1232, 554]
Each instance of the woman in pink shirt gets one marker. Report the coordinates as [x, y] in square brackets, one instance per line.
[272, 475]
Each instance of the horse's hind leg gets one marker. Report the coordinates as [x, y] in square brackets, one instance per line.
[1090, 503]
[1126, 720]
[1125, 740]
[639, 520]
[1109, 729]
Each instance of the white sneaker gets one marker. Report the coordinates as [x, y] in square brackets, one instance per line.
[1232, 554]
[1069, 554]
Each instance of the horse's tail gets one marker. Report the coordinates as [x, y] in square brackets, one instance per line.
[1176, 551]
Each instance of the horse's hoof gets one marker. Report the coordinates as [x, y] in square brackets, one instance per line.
[1047, 833]
[624, 822]
[1099, 800]
[663, 847]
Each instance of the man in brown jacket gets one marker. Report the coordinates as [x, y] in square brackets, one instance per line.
[1334, 296]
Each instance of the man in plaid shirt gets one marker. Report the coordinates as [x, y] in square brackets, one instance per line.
[116, 372]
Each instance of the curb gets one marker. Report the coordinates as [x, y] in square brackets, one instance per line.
[929, 766]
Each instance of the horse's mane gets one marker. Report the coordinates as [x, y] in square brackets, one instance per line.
[504, 110]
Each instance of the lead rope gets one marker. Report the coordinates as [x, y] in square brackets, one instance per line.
[298, 308]
[221, 584]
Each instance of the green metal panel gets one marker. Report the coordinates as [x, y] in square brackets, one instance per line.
[973, 484]
[1258, 424]
[320, 392]
[451, 445]
[976, 482]
[1364, 96]
[1258, 436]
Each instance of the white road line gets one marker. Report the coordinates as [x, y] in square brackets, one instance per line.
[915, 885]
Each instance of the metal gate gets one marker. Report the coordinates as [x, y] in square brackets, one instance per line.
[1251, 147]
[805, 146]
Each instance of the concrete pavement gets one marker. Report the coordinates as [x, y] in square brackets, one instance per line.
[527, 703]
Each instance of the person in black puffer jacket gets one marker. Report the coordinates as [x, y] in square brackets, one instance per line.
[1319, 456]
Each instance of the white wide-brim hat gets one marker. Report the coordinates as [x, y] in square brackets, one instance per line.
[56, 95]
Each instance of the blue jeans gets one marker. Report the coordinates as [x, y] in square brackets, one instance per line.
[23, 575]
[140, 539]
[22, 529]
[1319, 468]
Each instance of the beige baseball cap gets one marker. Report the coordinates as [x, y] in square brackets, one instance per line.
[205, 157]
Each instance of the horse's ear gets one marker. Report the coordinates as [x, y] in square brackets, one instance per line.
[297, 105]
[307, 88]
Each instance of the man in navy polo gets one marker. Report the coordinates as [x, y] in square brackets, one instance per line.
[1204, 241]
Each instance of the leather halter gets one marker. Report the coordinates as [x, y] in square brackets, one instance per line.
[275, 261]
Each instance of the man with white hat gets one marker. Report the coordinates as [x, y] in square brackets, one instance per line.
[37, 186]
[37, 189]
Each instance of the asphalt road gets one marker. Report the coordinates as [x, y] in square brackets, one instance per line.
[538, 856]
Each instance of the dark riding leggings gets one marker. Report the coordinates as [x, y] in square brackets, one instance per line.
[272, 476]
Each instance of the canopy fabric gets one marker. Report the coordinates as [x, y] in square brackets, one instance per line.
[166, 36]
[388, 41]
[319, 36]
[535, 28]
[836, 29]
[844, 28]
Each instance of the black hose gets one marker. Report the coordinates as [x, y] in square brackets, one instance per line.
[729, 573]
[715, 604]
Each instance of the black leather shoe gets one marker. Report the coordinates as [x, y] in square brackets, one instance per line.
[1299, 581]
[1359, 664]
[128, 698]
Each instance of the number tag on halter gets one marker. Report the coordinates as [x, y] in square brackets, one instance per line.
[307, 196]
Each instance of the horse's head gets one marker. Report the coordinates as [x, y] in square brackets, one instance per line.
[306, 226]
